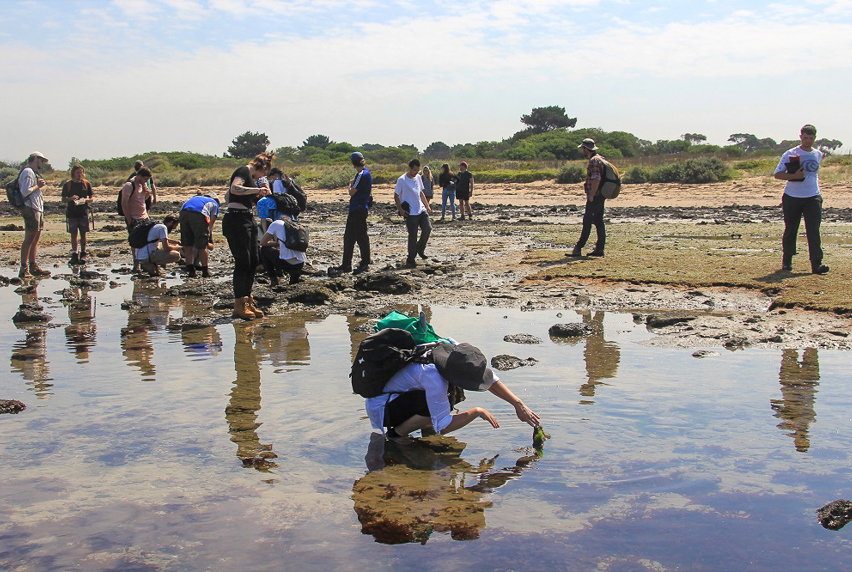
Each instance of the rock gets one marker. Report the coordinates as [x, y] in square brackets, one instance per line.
[663, 320]
[522, 339]
[11, 406]
[308, 293]
[11, 226]
[835, 514]
[505, 362]
[384, 282]
[704, 353]
[735, 342]
[112, 228]
[30, 313]
[572, 330]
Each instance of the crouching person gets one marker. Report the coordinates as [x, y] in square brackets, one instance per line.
[159, 249]
[418, 396]
[197, 217]
[283, 245]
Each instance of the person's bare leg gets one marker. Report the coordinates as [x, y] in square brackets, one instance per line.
[413, 423]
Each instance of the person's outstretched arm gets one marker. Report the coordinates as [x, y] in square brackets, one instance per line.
[461, 419]
[523, 412]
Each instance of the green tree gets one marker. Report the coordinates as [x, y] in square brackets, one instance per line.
[248, 145]
[543, 119]
[828, 146]
[320, 141]
[694, 138]
[437, 150]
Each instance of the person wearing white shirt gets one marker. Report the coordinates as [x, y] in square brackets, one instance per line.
[416, 397]
[160, 249]
[412, 204]
[31, 183]
[276, 257]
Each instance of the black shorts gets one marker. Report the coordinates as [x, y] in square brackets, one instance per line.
[194, 229]
[405, 407]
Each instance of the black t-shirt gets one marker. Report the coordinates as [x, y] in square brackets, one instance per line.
[445, 179]
[464, 178]
[245, 200]
[82, 190]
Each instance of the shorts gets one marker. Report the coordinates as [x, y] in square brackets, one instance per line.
[405, 407]
[194, 229]
[463, 195]
[76, 224]
[33, 219]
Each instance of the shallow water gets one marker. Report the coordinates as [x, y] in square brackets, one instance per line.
[241, 447]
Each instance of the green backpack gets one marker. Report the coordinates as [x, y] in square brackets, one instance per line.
[610, 180]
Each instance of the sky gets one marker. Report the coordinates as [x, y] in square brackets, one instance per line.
[104, 78]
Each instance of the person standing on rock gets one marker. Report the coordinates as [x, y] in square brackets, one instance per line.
[594, 214]
[464, 189]
[150, 185]
[360, 200]
[799, 167]
[447, 182]
[240, 229]
[77, 193]
[412, 205]
[30, 184]
[134, 194]
[197, 216]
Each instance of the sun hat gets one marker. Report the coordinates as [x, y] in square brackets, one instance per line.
[356, 157]
[588, 144]
[463, 365]
[39, 155]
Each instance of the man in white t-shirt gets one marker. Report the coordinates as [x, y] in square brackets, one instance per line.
[31, 184]
[411, 203]
[799, 167]
[277, 259]
[161, 249]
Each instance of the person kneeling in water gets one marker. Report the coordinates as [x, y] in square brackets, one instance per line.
[416, 397]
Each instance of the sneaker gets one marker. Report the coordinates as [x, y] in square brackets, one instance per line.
[821, 269]
[35, 270]
[362, 268]
[24, 274]
[423, 256]
[411, 263]
[576, 253]
[788, 266]
[190, 271]
[335, 271]
[205, 273]
[82, 257]
[596, 252]
[75, 259]
[461, 217]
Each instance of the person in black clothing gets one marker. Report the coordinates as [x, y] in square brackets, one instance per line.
[594, 214]
[447, 182]
[77, 193]
[464, 189]
[360, 199]
[240, 229]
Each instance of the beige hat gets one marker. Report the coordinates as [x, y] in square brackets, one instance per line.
[39, 155]
[588, 144]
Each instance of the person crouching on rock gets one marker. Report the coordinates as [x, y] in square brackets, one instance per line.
[197, 217]
[416, 397]
[275, 255]
[161, 249]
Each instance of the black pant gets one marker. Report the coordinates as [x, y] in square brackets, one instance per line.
[273, 264]
[413, 223]
[406, 406]
[794, 208]
[241, 231]
[594, 215]
[356, 231]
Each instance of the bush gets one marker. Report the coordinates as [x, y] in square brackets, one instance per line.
[705, 170]
[334, 179]
[671, 173]
[636, 175]
[7, 174]
[503, 176]
[571, 174]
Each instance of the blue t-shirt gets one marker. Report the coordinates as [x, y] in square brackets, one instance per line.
[265, 206]
[203, 205]
[364, 186]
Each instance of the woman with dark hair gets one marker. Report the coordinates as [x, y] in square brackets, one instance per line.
[447, 182]
[240, 229]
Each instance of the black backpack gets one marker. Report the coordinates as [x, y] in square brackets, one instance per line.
[294, 190]
[286, 204]
[380, 356]
[138, 237]
[119, 209]
[13, 191]
[295, 236]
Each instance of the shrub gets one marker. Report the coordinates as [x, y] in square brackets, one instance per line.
[705, 170]
[7, 174]
[334, 179]
[636, 175]
[670, 173]
[504, 176]
[571, 174]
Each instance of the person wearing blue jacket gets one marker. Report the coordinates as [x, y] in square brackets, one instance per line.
[360, 199]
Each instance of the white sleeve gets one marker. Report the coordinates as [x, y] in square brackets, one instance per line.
[436, 399]
[26, 181]
[782, 164]
[400, 186]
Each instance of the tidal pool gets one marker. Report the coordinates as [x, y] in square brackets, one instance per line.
[241, 447]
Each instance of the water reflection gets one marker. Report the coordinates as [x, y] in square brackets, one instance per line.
[81, 333]
[199, 342]
[147, 310]
[29, 355]
[286, 343]
[421, 486]
[799, 381]
[241, 411]
[601, 357]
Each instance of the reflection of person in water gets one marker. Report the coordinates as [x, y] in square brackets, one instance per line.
[799, 381]
[417, 487]
[241, 411]
[416, 397]
[81, 332]
[601, 357]
[287, 345]
[149, 310]
[29, 356]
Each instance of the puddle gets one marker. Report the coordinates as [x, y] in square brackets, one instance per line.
[240, 446]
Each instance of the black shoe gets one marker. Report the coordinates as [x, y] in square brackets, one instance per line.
[362, 268]
[335, 271]
[205, 273]
[190, 270]
[820, 269]
[411, 263]
[273, 280]
[576, 253]
[596, 252]
[423, 256]
[74, 259]
[788, 266]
